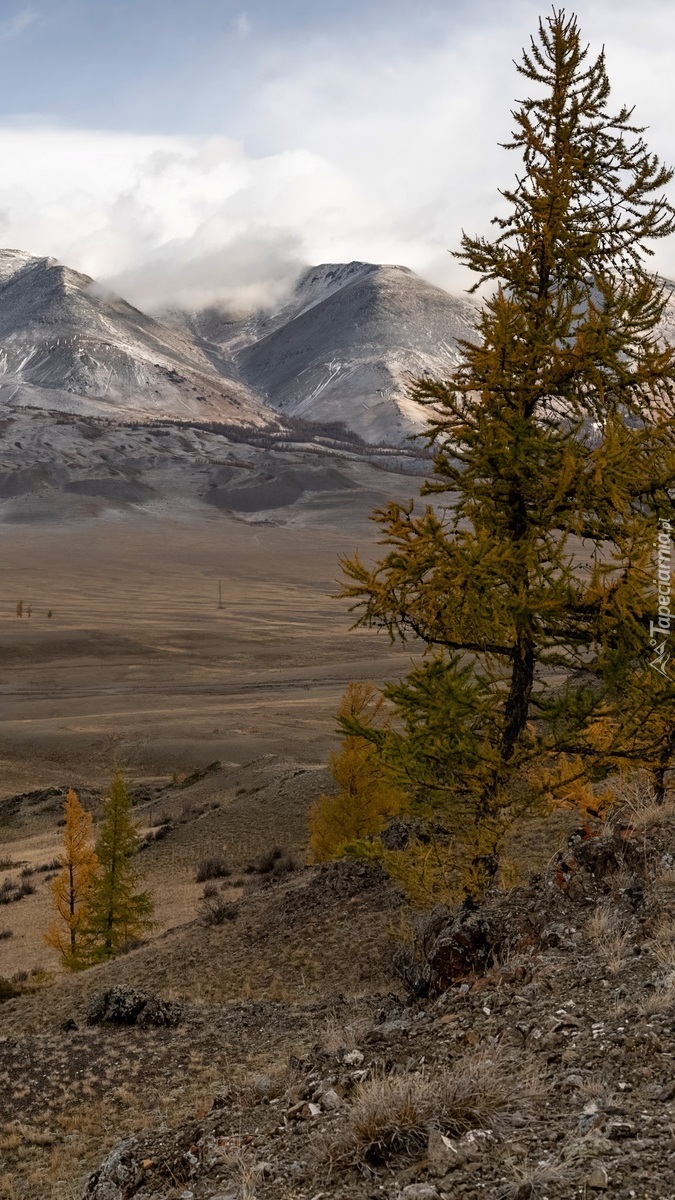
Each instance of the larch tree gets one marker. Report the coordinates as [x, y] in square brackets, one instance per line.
[530, 581]
[366, 795]
[72, 887]
[117, 909]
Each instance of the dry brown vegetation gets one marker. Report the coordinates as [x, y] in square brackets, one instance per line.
[392, 1115]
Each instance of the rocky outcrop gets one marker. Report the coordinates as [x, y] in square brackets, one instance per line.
[126, 1006]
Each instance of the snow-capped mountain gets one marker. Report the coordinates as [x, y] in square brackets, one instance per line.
[345, 346]
[67, 345]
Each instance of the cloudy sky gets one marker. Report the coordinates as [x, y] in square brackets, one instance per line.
[188, 149]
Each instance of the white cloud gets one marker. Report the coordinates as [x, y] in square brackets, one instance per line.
[381, 154]
[242, 24]
[15, 25]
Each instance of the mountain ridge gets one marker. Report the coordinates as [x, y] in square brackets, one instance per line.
[346, 345]
[67, 344]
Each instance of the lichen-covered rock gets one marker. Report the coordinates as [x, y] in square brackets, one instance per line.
[118, 1174]
[127, 1006]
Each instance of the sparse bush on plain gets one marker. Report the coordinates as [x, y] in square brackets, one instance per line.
[215, 910]
[6, 934]
[13, 890]
[212, 868]
[130, 944]
[53, 865]
[275, 862]
[8, 990]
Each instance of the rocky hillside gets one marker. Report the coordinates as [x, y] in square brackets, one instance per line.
[520, 1049]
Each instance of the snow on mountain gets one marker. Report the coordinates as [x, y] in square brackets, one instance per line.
[345, 346]
[348, 343]
[67, 345]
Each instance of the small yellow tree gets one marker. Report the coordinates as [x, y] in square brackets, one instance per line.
[116, 909]
[367, 794]
[72, 887]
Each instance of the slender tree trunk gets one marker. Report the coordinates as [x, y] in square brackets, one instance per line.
[663, 766]
[71, 905]
[517, 706]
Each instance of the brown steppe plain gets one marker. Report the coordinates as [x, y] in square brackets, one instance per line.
[139, 668]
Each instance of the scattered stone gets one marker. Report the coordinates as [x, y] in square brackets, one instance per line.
[330, 1100]
[442, 1153]
[264, 1170]
[456, 945]
[598, 1179]
[617, 1130]
[420, 1191]
[587, 1148]
[573, 1082]
[353, 1058]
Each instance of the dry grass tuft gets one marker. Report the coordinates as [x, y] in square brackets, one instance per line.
[661, 1000]
[338, 1037]
[248, 1177]
[662, 942]
[392, 1115]
[612, 944]
[530, 1180]
[636, 801]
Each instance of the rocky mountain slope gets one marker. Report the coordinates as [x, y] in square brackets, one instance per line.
[342, 349]
[345, 346]
[67, 345]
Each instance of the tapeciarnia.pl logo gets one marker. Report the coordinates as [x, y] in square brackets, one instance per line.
[659, 629]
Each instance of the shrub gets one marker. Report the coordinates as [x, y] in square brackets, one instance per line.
[14, 889]
[53, 865]
[6, 934]
[130, 944]
[393, 1115]
[275, 862]
[7, 990]
[212, 868]
[214, 910]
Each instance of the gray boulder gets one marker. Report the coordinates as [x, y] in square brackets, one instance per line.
[127, 1006]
